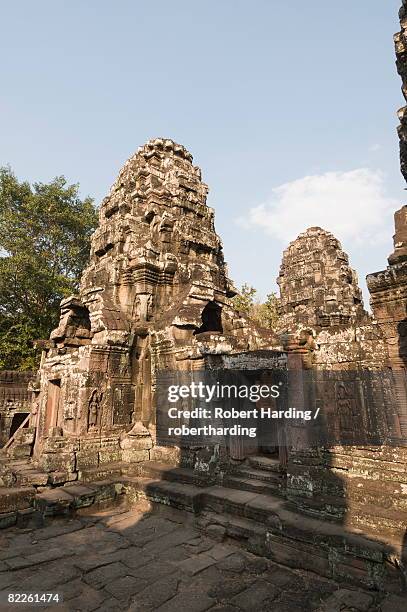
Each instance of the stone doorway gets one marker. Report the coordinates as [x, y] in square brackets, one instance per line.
[54, 392]
[18, 420]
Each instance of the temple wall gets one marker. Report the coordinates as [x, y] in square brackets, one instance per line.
[15, 401]
[361, 485]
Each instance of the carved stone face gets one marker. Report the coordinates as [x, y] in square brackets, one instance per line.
[317, 285]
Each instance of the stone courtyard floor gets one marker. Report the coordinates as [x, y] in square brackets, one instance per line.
[141, 560]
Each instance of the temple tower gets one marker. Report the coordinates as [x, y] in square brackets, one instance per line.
[318, 287]
[155, 296]
[322, 307]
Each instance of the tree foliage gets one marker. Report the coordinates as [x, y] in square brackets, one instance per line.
[244, 300]
[45, 231]
[265, 314]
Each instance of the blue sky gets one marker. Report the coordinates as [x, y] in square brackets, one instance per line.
[288, 107]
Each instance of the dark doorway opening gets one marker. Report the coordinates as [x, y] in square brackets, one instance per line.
[18, 420]
[211, 319]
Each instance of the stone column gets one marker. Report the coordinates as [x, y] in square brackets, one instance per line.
[388, 290]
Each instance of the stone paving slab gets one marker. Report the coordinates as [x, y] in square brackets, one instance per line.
[138, 560]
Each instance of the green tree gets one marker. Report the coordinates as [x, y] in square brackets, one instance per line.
[270, 311]
[45, 234]
[265, 314]
[244, 300]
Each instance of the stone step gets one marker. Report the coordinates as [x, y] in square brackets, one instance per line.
[277, 514]
[16, 498]
[19, 463]
[73, 497]
[83, 495]
[102, 472]
[261, 508]
[16, 504]
[8, 519]
[223, 499]
[53, 502]
[95, 495]
[262, 475]
[255, 485]
[175, 494]
[24, 473]
[280, 516]
[18, 450]
[31, 477]
[332, 507]
[60, 478]
[190, 497]
[222, 525]
[155, 470]
[269, 464]
[331, 551]
[361, 514]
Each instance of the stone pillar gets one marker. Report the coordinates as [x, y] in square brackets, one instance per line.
[388, 290]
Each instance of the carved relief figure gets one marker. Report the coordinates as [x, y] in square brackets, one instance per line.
[94, 408]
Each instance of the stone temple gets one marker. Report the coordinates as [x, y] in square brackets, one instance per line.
[156, 297]
[322, 303]
[317, 286]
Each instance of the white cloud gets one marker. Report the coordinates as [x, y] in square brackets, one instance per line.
[352, 205]
[374, 148]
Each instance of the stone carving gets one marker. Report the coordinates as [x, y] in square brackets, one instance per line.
[345, 403]
[94, 408]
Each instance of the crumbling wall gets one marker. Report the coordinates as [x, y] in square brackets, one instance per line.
[15, 401]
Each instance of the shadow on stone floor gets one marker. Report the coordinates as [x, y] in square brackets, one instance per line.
[139, 559]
